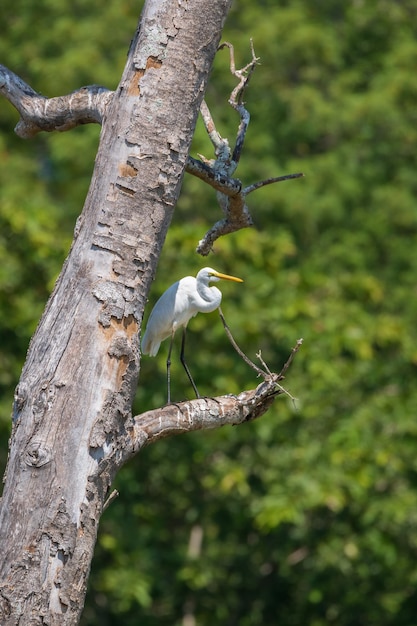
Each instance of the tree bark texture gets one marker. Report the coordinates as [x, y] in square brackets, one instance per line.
[75, 393]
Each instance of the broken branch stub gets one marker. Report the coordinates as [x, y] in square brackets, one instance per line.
[86, 105]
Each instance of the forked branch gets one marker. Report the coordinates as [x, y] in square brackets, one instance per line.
[218, 172]
[266, 372]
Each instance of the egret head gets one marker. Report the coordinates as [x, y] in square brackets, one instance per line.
[211, 275]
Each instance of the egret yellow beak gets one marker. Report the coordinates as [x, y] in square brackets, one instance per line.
[227, 277]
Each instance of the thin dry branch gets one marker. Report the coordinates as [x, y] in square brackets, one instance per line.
[236, 97]
[269, 181]
[265, 373]
[290, 358]
[218, 172]
[86, 105]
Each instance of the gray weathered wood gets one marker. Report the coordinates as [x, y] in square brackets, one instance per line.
[75, 393]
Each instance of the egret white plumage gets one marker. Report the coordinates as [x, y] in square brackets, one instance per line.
[177, 305]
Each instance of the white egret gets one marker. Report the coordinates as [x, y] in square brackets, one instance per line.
[177, 305]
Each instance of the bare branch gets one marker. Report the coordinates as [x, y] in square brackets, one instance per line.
[240, 218]
[220, 145]
[223, 184]
[218, 172]
[233, 205]
[84, 106]
[270, 181]
[183, 417]
[290, 359]
[266, 372]
[236, 97]
[243, 74]
[247, 360]
[89, 105]
[200, 414]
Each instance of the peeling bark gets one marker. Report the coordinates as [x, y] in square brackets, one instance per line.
[75, 394]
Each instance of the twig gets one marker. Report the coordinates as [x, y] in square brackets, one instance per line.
[247, 360]
[281, 376]
[290, 358]
[112, 497]
[259, 356]
[243, 74]
[270, 181]
[236, 97]
[220, 145]
[267, 374]
[287, 393]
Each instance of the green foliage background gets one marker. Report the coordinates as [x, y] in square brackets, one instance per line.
[307, 516]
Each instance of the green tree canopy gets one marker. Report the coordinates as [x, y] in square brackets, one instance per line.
[308, 515]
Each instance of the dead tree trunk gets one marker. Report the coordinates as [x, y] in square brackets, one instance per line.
[76, 389]
[72, 422]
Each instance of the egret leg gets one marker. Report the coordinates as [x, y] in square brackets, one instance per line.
[169, 369]
[185, 366]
